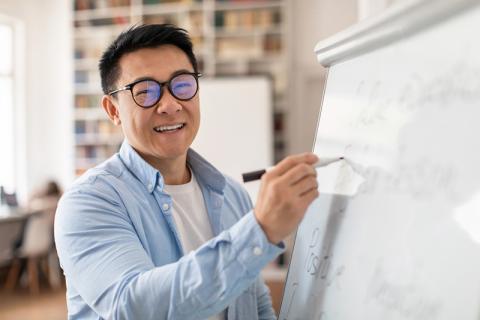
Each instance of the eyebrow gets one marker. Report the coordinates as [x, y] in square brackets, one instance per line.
[175, 73]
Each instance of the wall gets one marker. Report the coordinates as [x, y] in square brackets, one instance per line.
[370, 8]
[312, 20]
[47, 93]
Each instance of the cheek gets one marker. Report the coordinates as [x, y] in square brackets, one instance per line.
[134, 120]
[195, 110]
[196, 118]
[199, 119]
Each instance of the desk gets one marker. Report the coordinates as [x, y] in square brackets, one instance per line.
[10, 214]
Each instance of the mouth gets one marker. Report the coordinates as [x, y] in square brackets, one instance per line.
[169, 128]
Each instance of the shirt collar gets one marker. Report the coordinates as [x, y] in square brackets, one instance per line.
[150, 177]
[142, 170]
[205, 172]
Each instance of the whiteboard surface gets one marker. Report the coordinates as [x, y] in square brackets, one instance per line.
[395, 233]
[236, 126]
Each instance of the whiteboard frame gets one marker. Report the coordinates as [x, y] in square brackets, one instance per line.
[395, 23]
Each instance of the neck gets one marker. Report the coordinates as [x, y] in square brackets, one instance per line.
[171, 176]
[174, 171]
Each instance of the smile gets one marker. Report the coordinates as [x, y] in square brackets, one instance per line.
[169, 128]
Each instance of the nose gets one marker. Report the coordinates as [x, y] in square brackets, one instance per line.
[168, 104]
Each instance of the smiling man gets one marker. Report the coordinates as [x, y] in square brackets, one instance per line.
[156, 232]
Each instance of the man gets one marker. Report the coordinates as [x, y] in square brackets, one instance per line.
[156, 232]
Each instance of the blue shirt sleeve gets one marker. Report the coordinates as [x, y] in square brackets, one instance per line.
[104, 260]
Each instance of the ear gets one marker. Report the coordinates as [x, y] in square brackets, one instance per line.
[111, 109]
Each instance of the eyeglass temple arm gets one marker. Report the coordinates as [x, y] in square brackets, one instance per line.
[121, 89]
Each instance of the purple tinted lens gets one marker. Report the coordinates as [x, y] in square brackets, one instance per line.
[184, 86]
[146, 93]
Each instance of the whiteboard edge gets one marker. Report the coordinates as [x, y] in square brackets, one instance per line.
[296, 231]
[321, 108]
[399, 21]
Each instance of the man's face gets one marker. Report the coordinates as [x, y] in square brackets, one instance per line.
[140, 125]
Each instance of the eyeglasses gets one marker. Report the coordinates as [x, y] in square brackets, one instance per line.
[147, 92]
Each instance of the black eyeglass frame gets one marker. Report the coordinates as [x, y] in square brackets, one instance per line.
[167, 83]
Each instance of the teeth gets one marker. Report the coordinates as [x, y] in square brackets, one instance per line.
[168, 128]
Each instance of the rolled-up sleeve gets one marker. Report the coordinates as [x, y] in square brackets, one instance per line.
[105, 262]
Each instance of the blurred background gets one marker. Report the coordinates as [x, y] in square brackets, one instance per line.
[260, 97]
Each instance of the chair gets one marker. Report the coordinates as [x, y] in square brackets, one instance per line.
[35, 249]
[10, 233]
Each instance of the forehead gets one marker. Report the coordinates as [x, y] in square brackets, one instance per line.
[158, 63]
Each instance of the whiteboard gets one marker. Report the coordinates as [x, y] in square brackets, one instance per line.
[395, 233]
[236, 126]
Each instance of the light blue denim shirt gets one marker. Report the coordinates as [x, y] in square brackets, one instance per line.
[119, 247]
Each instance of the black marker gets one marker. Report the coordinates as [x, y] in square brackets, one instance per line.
[255, 175]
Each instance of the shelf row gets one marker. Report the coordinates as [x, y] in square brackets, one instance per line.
[97, 9]
[192, 17]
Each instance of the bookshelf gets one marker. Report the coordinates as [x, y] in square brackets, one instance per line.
[231, 38]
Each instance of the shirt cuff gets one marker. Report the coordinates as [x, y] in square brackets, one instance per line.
[253, 248]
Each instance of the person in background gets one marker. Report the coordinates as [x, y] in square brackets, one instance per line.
[156, 231]
[46, 199]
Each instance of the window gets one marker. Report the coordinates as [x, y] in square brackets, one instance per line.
[7, 117]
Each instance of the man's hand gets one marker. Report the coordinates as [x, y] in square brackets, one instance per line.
[285, 193]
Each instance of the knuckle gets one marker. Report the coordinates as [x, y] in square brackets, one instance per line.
[276, 187]
[267, 176]
[306, 167]
[289, 206]
[289, 160]
[313, 185]
[275, 198]
[309, 157]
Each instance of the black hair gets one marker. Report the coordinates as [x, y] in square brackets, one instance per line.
[140, 37]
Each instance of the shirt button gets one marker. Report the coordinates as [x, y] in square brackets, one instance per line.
[165, 206]
[257, 251]
[150, 186]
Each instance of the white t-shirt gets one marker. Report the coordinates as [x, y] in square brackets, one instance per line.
[191, 218]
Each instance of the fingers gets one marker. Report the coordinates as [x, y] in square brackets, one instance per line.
[299, 178]
[299, 172]
[304, 186]
[291, 161]
[309, 196]
[285, 193]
